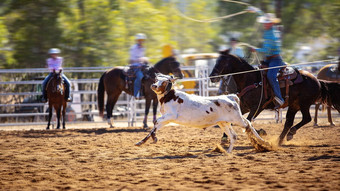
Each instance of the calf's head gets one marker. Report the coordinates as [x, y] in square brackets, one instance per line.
[162, 84]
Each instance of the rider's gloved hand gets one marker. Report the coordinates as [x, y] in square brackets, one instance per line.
[252, 9]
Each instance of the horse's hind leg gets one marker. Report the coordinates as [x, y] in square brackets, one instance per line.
[154, 105]
[306, 118]
[58, 112]
[110, 103]
[49, 117]
[288, 124]
[63, 112]
[147, 108]
[329, 114]
[317, 106]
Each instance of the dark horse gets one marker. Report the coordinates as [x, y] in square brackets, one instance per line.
[56, 98]
[330, 72]
[301, 95]
[113, 82]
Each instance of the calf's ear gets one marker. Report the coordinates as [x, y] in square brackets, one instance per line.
[172, 79]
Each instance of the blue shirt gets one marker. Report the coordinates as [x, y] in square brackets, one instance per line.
[272, 42]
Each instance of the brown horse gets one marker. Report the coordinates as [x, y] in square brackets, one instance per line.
[113, 82]
[301, 95]
[330, 72]
[56, 98]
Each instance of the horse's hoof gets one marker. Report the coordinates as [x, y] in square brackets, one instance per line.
[290, 136]
[138, 144]
[261, 132]
[224, 140]
[332, 124]
[111, 126]
[155, 140]
[316, 125]
[145, 125]
[47, 128]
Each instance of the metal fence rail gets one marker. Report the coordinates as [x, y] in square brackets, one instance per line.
[204, 88]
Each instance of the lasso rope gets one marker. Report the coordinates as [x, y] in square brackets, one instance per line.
[256, 70]
[216, 18]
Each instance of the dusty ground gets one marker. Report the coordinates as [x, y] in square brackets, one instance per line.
[183, 159]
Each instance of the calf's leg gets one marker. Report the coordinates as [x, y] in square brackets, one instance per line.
[160, 122]
[226, 128]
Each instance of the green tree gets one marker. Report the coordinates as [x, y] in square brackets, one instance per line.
[33, 29]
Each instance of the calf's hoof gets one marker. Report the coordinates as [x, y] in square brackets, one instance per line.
[261, 132]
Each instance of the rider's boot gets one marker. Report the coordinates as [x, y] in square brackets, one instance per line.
[67, 94]
[44, 97]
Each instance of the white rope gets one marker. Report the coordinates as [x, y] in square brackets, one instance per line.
[216, 18]
[256, 70]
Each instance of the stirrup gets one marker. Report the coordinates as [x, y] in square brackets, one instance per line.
[69, 99]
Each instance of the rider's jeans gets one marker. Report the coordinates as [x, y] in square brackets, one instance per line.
[272, 75]
[138, 82]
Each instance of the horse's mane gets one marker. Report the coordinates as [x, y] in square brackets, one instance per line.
[242, 60]
[165, 59]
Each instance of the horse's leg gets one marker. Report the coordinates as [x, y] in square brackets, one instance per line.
[155, 105]
[306, 118]
[329, 114]
[110, 103]
[58, 112]
[64, 112]
[49, 116]
[317, 106]
[288, 124]
[147, 108]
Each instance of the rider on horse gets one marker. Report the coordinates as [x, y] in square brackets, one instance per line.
[227, 83]
[54, 63]
[271, 49]
[138, 62]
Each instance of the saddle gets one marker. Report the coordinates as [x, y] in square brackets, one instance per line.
[130, 76]
[287, 76]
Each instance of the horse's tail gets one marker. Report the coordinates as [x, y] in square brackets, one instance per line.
[100, 97]
[329, 94]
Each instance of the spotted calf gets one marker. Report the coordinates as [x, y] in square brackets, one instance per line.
[196, 111]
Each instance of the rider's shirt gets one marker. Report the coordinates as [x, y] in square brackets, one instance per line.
[271, 43]
[237, 51]
[136, 52]
[55, 64]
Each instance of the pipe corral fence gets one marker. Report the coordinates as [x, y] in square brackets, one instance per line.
[20, 91]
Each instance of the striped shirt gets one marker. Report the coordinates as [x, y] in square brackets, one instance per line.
[54, 64]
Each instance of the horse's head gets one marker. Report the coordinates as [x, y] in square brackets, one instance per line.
[169, 65]
[224, 64]
[163, 83]
[57, 81]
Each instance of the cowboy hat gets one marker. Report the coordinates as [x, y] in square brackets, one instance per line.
[268, 18]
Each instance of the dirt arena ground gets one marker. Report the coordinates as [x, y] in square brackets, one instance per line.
[101, 158]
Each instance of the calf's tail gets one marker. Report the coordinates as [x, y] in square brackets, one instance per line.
[255, 139]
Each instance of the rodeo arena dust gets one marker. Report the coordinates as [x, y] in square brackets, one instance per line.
[195, 137]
